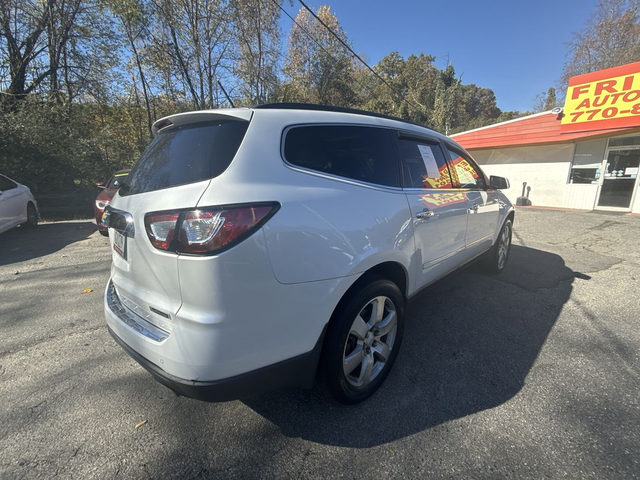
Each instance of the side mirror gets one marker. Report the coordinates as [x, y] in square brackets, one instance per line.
[99, 184]
[498, 183]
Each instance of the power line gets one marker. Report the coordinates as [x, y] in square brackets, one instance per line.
[356, 55]
[226, 95]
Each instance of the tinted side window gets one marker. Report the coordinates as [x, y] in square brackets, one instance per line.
[423, 165]
[6, 184]
[186, 155]
[468, 175]
[360, 153]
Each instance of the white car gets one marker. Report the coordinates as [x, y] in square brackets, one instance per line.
[256, 248]
[17, 205]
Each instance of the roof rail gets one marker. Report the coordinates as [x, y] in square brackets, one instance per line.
[330, 108]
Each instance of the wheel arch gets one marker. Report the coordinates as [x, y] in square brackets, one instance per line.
[27, 223]
[392, 271]
[511, 216]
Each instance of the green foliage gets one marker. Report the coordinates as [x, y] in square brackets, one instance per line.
[77, 101]
[545, 101]
[50, 147]
[611, 37]
[318, 69]
[551, 101]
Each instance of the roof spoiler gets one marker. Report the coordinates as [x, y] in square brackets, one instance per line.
[243, 114]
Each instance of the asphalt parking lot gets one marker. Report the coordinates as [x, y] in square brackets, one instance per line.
[534, 373]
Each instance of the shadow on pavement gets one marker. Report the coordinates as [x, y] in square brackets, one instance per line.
[21, 244]
[470, 342]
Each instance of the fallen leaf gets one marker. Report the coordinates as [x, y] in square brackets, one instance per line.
[458, 353]
[87, 290]
[138, 425]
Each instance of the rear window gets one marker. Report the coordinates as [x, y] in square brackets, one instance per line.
[360, 153]
[6, 184]
[117, 179]
[187, 154]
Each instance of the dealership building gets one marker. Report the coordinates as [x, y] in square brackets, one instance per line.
[585, 156]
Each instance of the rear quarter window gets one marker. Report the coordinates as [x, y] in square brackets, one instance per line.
[186, 154]
[360, 153]
[6, 184]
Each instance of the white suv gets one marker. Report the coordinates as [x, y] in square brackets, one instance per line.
[256, 248]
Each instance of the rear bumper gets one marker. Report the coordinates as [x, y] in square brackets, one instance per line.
[233, 324]
[299, 371]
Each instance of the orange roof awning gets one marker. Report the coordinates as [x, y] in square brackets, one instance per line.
[541, 128]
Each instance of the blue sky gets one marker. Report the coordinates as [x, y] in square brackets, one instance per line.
[517, 48]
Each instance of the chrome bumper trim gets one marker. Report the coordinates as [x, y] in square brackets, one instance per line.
[132, 320]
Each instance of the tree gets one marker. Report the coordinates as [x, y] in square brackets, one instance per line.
[89, 77]
[51, 46]
[552, 101]
[258, 39]
[409, 91]
[191, 48]
[134, 20]
[23, 25]
[610, 38]
[446, 99]
[545, 101]
[479, 108]
[318, 68]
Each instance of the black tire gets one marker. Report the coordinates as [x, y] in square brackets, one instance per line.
[32, 216]
[340, 341]
[104, 233]
[494, 262]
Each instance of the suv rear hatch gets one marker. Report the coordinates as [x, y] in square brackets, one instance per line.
[172, 174]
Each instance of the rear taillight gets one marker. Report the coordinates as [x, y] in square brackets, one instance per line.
[161, 228]
[206, 231]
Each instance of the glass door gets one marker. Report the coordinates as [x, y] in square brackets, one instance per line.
[620, 178]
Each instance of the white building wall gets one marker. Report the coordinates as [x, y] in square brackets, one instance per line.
[545, 168]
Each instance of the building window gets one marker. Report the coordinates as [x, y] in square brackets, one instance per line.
[587, 161]
[624, 141]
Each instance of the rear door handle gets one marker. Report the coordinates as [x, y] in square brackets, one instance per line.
[425, 214]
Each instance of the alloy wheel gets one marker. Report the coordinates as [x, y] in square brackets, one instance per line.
[370, 341]
[505, 243]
